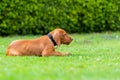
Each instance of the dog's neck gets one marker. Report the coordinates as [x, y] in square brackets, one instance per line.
[51, 38]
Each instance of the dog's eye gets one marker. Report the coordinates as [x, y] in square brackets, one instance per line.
[64, 34]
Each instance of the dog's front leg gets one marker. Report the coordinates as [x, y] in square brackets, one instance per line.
[50, 51]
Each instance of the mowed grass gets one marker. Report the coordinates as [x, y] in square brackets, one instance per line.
[94, 56]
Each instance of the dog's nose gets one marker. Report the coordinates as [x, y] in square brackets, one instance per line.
[71, 39]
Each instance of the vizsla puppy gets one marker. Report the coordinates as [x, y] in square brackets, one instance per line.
[43, 46]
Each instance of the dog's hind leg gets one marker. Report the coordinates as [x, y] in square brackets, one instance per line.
[12, 52]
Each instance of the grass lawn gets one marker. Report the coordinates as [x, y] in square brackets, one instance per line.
[95, 56]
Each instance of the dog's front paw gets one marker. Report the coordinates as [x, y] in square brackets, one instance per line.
[67, 53]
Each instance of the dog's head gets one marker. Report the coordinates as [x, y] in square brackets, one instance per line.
[61, 37]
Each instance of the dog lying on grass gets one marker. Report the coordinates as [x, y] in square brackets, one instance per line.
[43, 46]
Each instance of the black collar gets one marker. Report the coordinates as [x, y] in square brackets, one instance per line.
[51, 38]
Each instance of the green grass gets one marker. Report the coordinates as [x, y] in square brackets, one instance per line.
[95, 56]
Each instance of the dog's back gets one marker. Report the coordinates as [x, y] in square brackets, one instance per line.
[26, 47]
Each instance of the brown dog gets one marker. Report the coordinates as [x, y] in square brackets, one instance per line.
[43, 46]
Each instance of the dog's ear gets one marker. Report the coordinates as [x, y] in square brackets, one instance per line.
[57, 37]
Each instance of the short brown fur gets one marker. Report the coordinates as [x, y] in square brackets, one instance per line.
[42, 46]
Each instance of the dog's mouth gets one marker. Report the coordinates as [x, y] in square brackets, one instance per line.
[67, 43]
